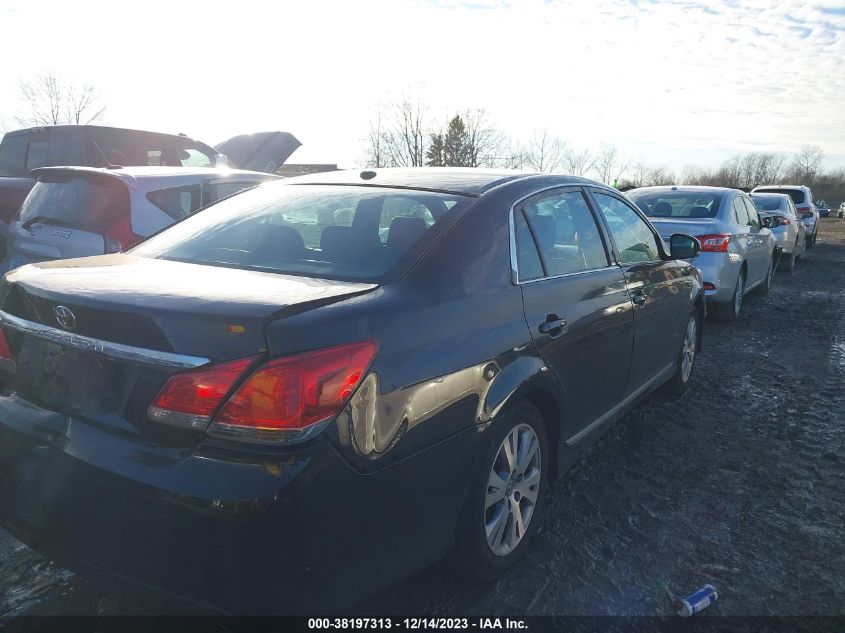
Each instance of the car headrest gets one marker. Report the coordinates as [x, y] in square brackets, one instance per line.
[404, 232]
[345, 243]
[699, 212]
[662, 208]
[285, 240]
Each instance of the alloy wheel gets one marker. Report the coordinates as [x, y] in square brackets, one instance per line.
[512, 490]
[688, 351]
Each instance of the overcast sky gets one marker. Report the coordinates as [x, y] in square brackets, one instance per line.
[668, 82]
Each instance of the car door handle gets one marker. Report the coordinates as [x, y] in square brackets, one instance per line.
[552, 325]
[638, 297]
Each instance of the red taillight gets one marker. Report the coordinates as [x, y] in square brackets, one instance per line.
[283, 399]
[717, 243]
[190, 398]
[120, 236]
[286, 398]
[7, 358]
[784, 221]
[709, 286]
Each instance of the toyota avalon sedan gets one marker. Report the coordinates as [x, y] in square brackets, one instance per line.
[277, 405]
[737, 249]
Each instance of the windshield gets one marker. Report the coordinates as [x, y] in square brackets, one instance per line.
[83, 203]
[678, 204]
[349, 233]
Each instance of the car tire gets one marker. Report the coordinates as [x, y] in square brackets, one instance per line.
[787, 262]
[730, 311]
[770, 275]
[487, 547]
[680, 380]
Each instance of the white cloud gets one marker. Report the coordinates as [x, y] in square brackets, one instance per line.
[657, 78]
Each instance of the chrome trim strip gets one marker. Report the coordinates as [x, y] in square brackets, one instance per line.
[580, 435]
[117, 351]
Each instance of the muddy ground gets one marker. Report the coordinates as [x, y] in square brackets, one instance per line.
[740, 483]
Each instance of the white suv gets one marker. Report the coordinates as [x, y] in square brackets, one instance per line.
[803, 199]
[82, 211]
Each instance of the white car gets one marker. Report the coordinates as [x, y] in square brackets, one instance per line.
[787, 228]
[803, 199]
[82, 211]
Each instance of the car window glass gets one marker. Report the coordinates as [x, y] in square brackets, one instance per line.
[567, 234]
[678, 204]
[634, 240]
[13, 155]
[37, 155]
[177, 202]
[740, 212]
[796, 194]
[90, 205]
[318, 231]
[527, 257]
[753, 218]
[214, 191]
[194, 158]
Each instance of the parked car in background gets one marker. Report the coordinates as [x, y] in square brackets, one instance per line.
[736, 248]
[788, 229]
[824, 209]
[21, 151]
[81, 211]
[841, 213]
[272, 392]
[803, 199]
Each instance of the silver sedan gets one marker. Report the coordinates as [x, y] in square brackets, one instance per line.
[736, 248]
[784, 222]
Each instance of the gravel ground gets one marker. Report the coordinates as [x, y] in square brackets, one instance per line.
[740, 483]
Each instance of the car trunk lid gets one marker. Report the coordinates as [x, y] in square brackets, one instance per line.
[96, 338]
[263, 151]
[668, 227]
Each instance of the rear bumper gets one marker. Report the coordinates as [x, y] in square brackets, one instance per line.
[277, 533]
[721, 270]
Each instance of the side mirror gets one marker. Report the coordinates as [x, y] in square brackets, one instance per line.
[771, 222]
[683, 246]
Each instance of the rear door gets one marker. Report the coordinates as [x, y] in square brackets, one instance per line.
[575, 301]
[758, 249]
[661, 308]
[67, 214]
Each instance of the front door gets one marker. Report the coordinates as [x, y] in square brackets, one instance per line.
[575, 301]
[660, 293]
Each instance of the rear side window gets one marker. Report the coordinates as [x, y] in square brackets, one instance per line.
[567, 235]
[740, 212]
[334, 232]
[133, 147]
[797, 195]
[13, 155]
[54, 150]
[177, 202]
[527, 257]
[88, 204]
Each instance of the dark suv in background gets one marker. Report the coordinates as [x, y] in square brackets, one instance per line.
[22, 151]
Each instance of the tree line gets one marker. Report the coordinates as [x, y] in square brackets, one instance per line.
[403, 135]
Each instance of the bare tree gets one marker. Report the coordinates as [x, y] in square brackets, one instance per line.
[53, 102]
[544, 153]
[485, 144]
[805, 166]
[609, 165]
[398, 137]
[578, 163]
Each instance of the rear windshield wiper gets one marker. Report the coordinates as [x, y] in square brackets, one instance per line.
[46, 219]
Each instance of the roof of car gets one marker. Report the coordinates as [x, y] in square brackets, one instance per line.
[758, 187]
[767, 194]
[684, 188]
[460, 180]
[130, 175]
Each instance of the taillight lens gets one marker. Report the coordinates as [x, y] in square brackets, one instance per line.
[7, 358]
[709, 286]
[287, 399]
[784, 221]
[282, 400]
[190, 398]
[120, 236]
[716, 243]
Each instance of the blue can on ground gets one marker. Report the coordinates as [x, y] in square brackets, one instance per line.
[698, 601]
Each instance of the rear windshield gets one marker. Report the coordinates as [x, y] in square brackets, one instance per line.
[678, 204]
[796, 194]
[75, 202]
[767, 203]
[349, 233]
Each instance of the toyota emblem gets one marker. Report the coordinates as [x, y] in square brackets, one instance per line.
[65, 317]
